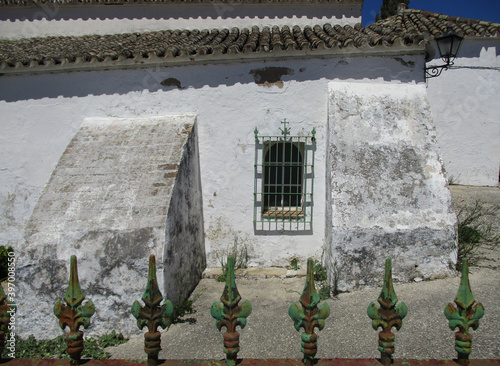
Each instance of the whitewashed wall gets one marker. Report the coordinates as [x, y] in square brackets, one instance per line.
[117, 186]
[465, 106]
[389, 195]
[54, 20]
[39, 115]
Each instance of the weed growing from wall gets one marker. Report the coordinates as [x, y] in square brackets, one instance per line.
[320, 278]
[475, 230]
[186, 306]
[294, 264]
[236, 250]
[452, 180]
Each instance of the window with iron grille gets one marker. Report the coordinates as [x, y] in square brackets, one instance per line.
[284, 176]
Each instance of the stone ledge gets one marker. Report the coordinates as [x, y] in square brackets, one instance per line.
[272, 272]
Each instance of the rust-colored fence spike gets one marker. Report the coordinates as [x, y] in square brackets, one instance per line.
[464, 316]
[386, 316]
[230, 314]
[308, 315]
[73, 314]
[152, 315]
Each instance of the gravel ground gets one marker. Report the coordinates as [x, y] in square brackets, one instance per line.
[348, 332]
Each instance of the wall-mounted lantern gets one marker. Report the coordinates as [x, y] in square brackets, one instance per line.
[448, 45]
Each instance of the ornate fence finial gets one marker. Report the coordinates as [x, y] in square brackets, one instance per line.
[308, 315]
[230, 315]
[464, 316]
[152, 315]
[386, 316]
[73, 314]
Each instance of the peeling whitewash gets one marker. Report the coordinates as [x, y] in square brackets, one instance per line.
[389, 196]
[379, 187]
[230, 100]
[228, 104]
[116, 187]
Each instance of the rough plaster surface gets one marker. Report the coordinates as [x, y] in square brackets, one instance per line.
[41, 113]
[389, 197]
[107, 202]
[464, 102]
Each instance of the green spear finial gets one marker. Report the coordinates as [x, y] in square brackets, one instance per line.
[152, 315]
[230, 315]
[73, 314]
[386, 316]
[308, 315]
[464, 316]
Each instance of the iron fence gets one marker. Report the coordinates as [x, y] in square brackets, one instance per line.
[308, 314]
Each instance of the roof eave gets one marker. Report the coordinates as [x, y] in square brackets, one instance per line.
[397, 48]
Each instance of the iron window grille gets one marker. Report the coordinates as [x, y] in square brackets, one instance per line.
[284, 177]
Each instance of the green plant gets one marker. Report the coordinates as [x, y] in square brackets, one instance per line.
[4, 255]
[452, 180]
[321, 277]
[474, 229]
[186, 307]
[294, 264]
[320, 273]
[94, 348]
[183, 309]
[325, 292]
[240, 254]
[31, 348]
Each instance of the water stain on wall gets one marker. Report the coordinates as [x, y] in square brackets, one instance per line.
[268, 76]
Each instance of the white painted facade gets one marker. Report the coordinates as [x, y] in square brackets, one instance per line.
[368, 105]
[464, 102]
[38, 129]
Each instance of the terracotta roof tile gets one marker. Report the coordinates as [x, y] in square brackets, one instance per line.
[411, 21]
[173, 43]
[408, 28]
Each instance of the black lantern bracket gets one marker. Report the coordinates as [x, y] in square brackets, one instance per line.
[448, 45]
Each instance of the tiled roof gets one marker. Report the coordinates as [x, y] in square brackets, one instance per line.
[33, 3]
[409, 22]
[171, 44]
[407, 28]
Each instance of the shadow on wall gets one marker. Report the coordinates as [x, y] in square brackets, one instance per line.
[468, 49]
[474, 48]
[85, 83]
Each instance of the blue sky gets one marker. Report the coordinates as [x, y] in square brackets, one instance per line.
[474, 9]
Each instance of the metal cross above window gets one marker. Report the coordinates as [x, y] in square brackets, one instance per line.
[284, 175]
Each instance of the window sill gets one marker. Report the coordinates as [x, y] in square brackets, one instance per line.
[283, 213]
